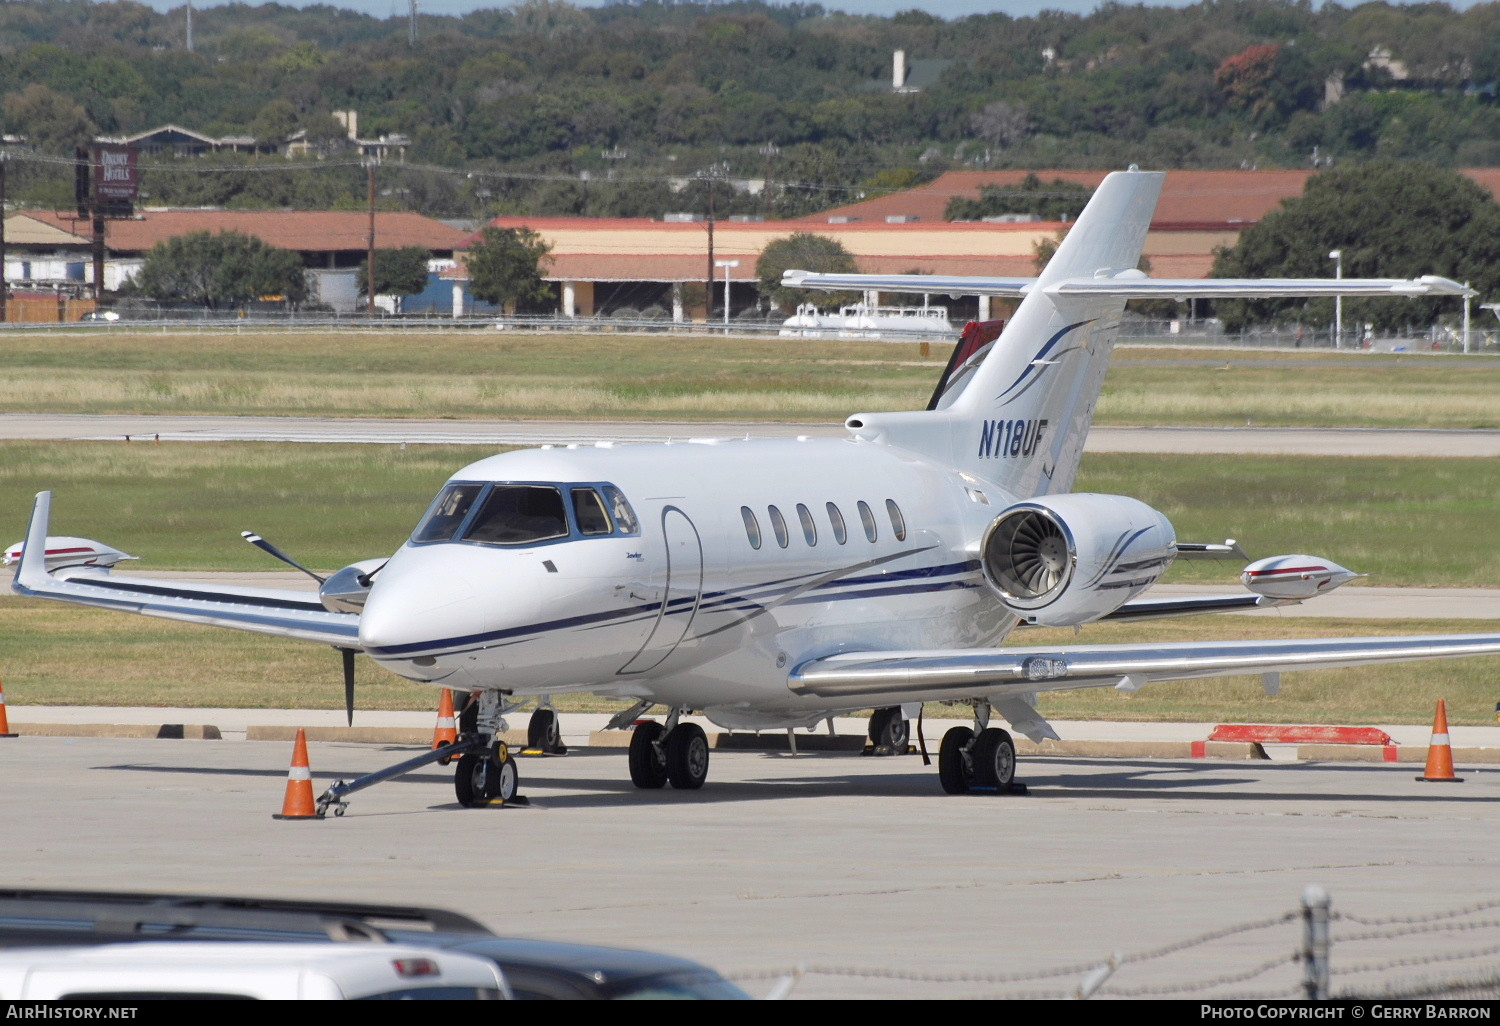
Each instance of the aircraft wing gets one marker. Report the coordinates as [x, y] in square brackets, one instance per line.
[936, 284]
[283, 613]
[1131, 285]
[939, 675]
[1153, 608]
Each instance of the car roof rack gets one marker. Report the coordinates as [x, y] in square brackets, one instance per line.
[36, 915]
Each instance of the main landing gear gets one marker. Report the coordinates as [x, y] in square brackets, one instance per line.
[890, 731]
[982, 758]
[673, 752]
[543, 732]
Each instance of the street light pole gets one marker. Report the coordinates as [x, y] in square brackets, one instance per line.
[1337, 256]
[728, 266]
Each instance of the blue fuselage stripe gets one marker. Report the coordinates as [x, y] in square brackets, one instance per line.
[727, 603]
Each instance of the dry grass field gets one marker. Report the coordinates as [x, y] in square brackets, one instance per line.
[489, 374]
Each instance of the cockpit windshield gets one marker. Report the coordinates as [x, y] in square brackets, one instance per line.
[525, 513]
[518, 515]
[447, 513]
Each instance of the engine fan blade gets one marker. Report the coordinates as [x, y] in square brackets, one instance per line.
[265, 546]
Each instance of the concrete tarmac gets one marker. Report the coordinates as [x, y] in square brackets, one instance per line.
[854, 876]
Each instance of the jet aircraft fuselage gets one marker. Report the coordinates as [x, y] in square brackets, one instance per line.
[680, 571]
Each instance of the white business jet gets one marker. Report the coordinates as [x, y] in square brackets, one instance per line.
[772, 584]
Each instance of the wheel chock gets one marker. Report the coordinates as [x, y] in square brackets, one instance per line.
[873, 749]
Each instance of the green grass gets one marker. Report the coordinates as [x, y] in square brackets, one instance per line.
[489, 374]
[66, 655]
[1411, 522]
[182, 505]
[1399, 693]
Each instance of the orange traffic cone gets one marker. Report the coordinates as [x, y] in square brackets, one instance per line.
[446, 732]
[299, 796]
[4, 723]
[1440, 752]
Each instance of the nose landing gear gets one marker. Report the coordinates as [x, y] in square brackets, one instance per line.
[486, 778]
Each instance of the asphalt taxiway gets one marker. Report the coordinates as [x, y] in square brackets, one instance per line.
[392, 431]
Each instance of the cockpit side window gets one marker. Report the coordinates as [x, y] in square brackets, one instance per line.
[515, 514]
[446, 513]
[625, 521]
[589, 512]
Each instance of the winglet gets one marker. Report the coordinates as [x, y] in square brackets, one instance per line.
[31, 573]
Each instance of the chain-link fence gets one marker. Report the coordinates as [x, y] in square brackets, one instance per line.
[1316, 952]
[79, 314]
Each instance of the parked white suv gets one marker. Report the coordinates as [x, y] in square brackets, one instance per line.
[154, 970]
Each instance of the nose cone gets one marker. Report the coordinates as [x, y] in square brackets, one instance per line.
[434, 599]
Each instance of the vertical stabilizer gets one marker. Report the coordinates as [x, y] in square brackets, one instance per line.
[1021, 416]
[1031, 402]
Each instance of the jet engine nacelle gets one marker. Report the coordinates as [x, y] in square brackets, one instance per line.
[345, 591]
[1063, 560]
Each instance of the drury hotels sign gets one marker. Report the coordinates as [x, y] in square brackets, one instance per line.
[115, 177]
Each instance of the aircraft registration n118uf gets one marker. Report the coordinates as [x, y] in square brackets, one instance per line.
[774, 583]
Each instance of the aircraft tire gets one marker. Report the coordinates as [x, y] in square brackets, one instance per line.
[646, 769]
[953, 770]
[502, 779]
[994, 756]
[890, 729]
[687, 757]
[471, 780]
[543, 732]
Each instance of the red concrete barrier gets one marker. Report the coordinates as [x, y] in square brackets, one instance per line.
[1281, 733]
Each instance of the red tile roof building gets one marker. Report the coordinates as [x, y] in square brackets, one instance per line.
[598, 259]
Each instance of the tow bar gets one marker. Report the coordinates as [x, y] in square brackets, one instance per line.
[336, 794]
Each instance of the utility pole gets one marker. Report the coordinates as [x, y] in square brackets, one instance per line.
[770, 151]
[190, 26]
[708, 305]
[412, 29]
[4, 159]
[711, 176]
[370, 262]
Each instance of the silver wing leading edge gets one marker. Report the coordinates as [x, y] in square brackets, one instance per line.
[1131, 284]
[893, 677]
[283, 613]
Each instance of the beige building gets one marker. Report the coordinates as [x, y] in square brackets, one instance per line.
[604, 264]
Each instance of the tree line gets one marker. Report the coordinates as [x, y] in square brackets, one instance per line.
[620, 110]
